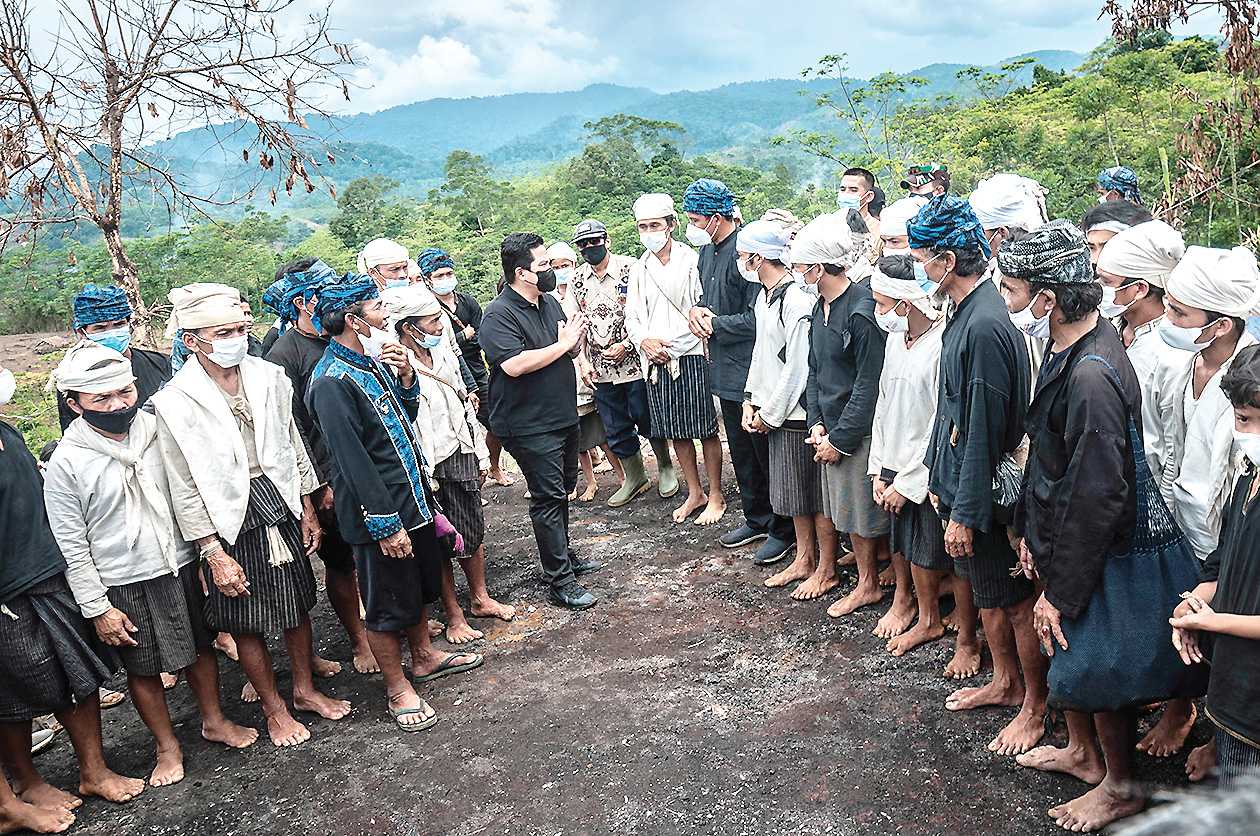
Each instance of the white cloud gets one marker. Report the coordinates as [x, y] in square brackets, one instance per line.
[469, 48]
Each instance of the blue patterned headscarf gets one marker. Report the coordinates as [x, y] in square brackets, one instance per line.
[278, 297]
[432, 260]
[179, 351]
[337, 296]
[947, 221]
[709, 197]
[1120, 179]
[100, 303]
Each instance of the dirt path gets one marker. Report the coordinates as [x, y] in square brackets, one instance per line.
[691, 700]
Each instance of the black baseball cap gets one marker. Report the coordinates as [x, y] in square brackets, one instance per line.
[589, 228]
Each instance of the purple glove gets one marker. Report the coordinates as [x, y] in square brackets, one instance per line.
[445, 530]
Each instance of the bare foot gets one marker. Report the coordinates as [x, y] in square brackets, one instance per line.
[861, 596]
[47, 797]
[168, 770]
[321, 704]
[796, 571]
[690, 505]
[20, 815]
[490, 608]
[815, 586]
[712, 512]
[918, 635]
[498, 477]
[1097, 808]
[992, 693]
[572, 496]
[1020, 734]
[1082, 762]
[950, 622]
[229, 734]
[847, 559]
[169, 681]
[589, 493]
[365, 662]
[324, 668]
[888, 577]
[435, 628]
[285, 731]
[1167, 737]
[248, 694]
[1202, 761]
[895, 621]
[966, 661]
[111, 786]
[225, 644]
[462, 633]
[111, 698]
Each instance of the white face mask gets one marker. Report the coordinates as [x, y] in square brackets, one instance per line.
[1249, 445]
[892, 322]
[441, 287]
[1184, 338]
[374, 342]
[1109, 307]
[8, 385]
[698, 237]
[564, 275]
[1102, 198]
[1032, 325]
[654, 241]
[229, 353]
[749, 275]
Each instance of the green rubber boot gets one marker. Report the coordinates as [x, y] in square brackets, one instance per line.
[666, 476]
[636, 482]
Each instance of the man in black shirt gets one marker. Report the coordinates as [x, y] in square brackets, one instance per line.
[103, 315]
[298, 350]
[533, 402]
[724, 317]
[982, 400]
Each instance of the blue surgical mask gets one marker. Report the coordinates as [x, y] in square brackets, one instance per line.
[396, 283]
[431, 341]
[116, 338]
[441, 287]
[848, 200]
[920, 275]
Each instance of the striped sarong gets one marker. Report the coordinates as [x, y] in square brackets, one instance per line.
[459, 493]
[279, 596]
[167, 612]
[682, 407]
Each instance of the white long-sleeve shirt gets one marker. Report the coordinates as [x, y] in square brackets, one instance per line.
[659, 299]
[906, 411]
[85, 495]
[442, 418]
[780, 360]
[1202, 468]
[1157, 365]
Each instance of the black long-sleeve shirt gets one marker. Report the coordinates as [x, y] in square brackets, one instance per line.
[1079, 497]
[981, 403]
[731, 298]
[846, 357]
[28, 550]
[1234, 688]
[298, 354]
[151, 369]
[468, 312]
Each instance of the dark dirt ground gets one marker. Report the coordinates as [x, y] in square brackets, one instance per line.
[691, 700]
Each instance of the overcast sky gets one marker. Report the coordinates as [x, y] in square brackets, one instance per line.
[410, 51]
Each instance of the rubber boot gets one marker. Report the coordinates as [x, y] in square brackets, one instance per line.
[666, 476]
[636, 482]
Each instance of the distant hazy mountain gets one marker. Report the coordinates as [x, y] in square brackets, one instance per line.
[525, 132]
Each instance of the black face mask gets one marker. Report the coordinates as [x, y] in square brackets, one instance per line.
[596, 254]
[112, 422]
[546, 280]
